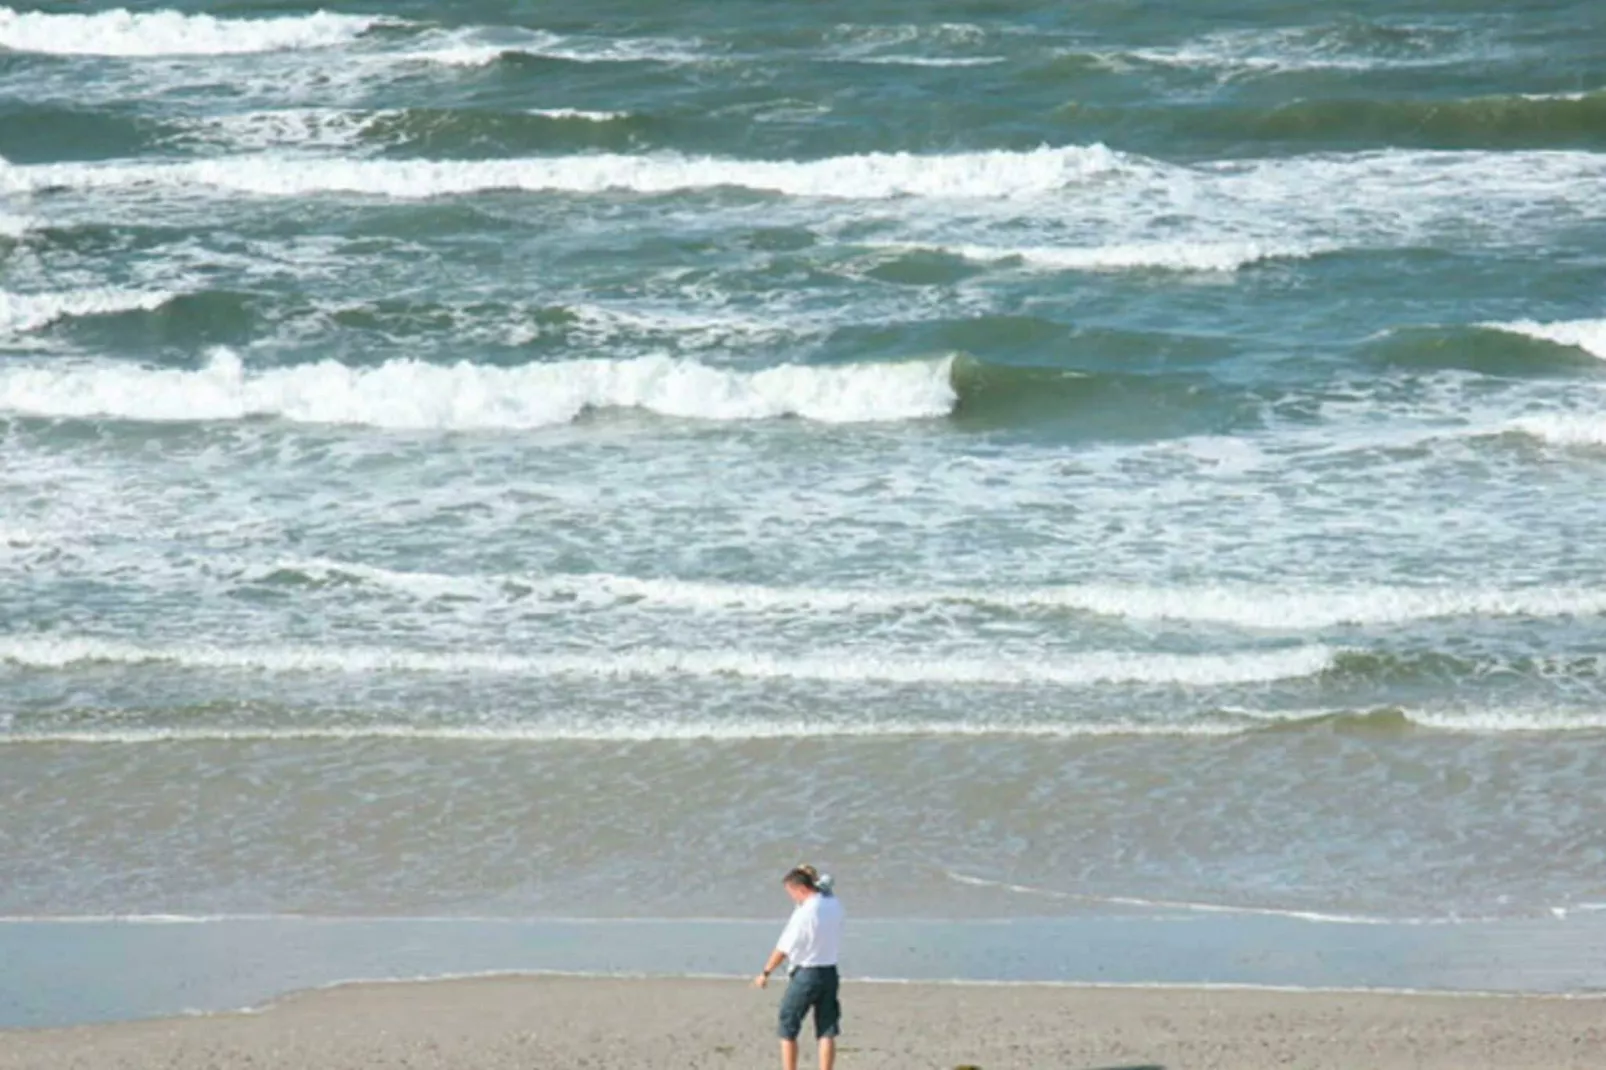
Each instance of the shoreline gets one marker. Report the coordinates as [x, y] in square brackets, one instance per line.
[605, 1023]
[67, 973]
[1227, 987]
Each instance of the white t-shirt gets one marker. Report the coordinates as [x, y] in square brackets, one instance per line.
[813, 936]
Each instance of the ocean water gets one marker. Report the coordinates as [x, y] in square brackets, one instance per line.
[555, 459]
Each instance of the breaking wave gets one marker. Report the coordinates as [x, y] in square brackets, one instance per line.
[1199, 670]
[866, 176]
[1570, 428]
[20, 313]
[1588, 335]
[171, 33]
[1504, 350]
[1564, 429]
[1480, 122]
[1510, 121]
[736, 730]
[1212, 724]
[580, 114]
[474, 48]
[1347, 45]
[1253, 607]
[409, 394]
[1162, 256]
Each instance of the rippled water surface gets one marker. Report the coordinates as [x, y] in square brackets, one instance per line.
[476, 459]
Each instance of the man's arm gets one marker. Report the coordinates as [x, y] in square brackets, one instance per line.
[776, 958]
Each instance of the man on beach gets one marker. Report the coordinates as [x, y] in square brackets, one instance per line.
[810, 942]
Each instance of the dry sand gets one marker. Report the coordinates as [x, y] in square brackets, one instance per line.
[535, 1023]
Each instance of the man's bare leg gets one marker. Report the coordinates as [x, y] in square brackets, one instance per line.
[788, 1055]
[827, 1053]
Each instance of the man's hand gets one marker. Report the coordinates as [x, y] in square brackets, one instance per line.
[771, 964]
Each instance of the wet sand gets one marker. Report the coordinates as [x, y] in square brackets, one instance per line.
[602, 1024]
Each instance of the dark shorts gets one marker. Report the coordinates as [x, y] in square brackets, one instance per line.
[812, 987]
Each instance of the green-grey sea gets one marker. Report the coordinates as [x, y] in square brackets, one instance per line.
[554, 459]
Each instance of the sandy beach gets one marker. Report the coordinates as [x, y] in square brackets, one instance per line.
[495, 1023]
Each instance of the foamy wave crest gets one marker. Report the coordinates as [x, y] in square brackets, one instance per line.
[416, 395]
[1350, 46]
[1186, 905]
[1164, 256]
[480, 47]
[626, 729]
[469, 48]
[580, 114]
[1276, 609]
[1495, 722]
[172, 33]
[644, 732]
[458, 55]
[930, 61]
[1223, 55]
[867, 176]
[300, 128]
[1200, 670]
[1239, 606]
[1580, 95]
[20, 313]
[1564, 429]
[1588, 335]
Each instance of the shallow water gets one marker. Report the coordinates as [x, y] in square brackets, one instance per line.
[95, 970]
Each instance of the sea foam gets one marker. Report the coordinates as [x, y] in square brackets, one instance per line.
[1343, 46]
[473, 48]
[1160, 256]
[580, 114]
[417, 395]
[292, 128]
[1245, 606]
[170, 33]
[740, 729]
[622, 729]
[1080, 669]
[20, 313]
[1564, 429]
[1588, 335]
[865, 176]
